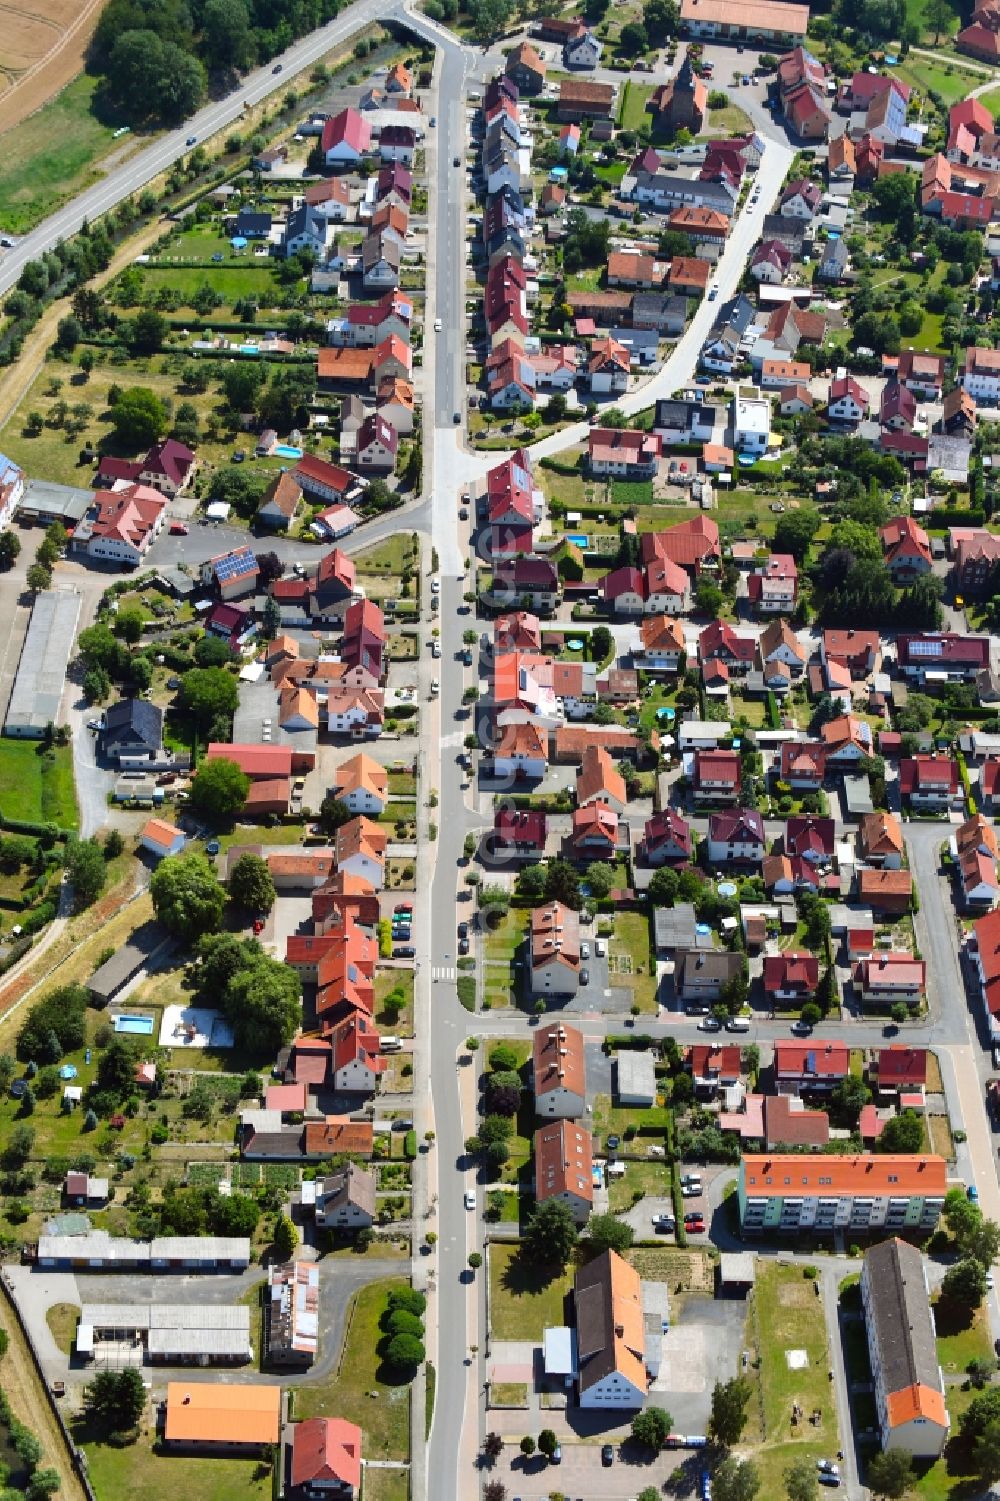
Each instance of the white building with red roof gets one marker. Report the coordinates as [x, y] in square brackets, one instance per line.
[121, 525]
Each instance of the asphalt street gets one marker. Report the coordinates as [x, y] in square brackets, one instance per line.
[133, 175]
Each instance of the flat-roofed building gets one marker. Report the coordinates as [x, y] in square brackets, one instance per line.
[170, 1333]
[41, 669]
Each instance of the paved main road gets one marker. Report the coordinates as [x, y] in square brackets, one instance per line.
[134, 174]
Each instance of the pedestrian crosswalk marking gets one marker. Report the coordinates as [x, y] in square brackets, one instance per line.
[443, 972]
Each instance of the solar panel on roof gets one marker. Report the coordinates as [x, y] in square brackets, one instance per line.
[234, 563]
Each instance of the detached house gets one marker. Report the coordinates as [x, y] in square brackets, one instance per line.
[736, 837]
[931, 782]
[791, 976]
[812, 1067]
[847, 400]
[803, 764]
[564, 1167]
[559, 1072]
[555, 950]
[666, 838]
[880, 840]
[662, 643]
[906, 549]
[773, 589]
[883, 979]
[716, 776]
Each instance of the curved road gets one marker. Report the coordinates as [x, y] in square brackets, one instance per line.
[134, 174]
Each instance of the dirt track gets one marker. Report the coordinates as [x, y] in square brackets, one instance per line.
[45, 77]
[24, 1391]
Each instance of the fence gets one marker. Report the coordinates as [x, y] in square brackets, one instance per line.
[77, 1457]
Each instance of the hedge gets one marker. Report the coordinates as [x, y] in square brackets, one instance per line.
[945, 516]
[410, 1145]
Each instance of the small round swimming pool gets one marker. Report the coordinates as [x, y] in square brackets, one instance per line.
[574, 645]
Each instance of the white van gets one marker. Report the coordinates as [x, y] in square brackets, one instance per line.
[738, 1024]
[391, 1044]
[601, 948]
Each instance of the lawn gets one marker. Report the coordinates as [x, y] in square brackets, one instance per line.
[361, 1371]
[401, 1022]
[957, 1343]
[37, 785]
[509, 1394]
[50, 156]
[633, 115]
[387, 1485]
[642, 1179]
[787, 1316]
[732, 119]
[991, 101]
[234, 279]
[629, 959]
[524, 1300]
[948, 79]
[502, 944]
[135, 1473]
[62, 1320]
[392, 555]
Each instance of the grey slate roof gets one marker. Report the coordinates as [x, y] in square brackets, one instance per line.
[900, 1323]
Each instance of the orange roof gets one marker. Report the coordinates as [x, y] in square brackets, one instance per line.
[213, 1412]
[598, 777]
[344, 364]
[338, 1134]
[916, 1404]
[888, 1175]
[362, 772]
[564, 1162]
[160, 832]
[558, 1061]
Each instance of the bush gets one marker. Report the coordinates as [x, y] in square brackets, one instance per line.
[410, 1145]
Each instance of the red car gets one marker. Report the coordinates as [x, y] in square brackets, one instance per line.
[694, 1222]
[178, 529]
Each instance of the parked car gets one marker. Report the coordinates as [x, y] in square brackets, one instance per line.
[710, 1024]
[801, 1029]
[585, 976]
[607, 1455]
[178, 529]
[404, 951]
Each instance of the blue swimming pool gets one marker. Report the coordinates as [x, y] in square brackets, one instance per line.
[132, 1021]
[286, 451]
[579, 539]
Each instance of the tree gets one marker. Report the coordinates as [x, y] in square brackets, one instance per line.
[250, 884]
[891, 1474]
[651, 1426]
[849, 1098]
[800, 1481]
[495, 1490]
[264, 1005]
[10, 550]
[219, 789]
[939, 15]
[269, 568]
[795, 531]
[405, 1351]
[551, 1233]
[527, 1446]
[227, 39]
[212, 651]
[547, 1443]
[187, 897]
[87, 870]
[68, 333]
[43, 1483]
[493, 1445]
[61, 1013]
[600, 878]
[730, 1400]
[333, 813]
[116, 1068]
[270, 620]
[147, 332]
[965, 1283]
[562, 884]
[138, 417]
[736, 1480]
[284, 1240]
[607, 1233]
[902, 1133]
[709, 599]
[38, 577]
[209, 693]
[986, 1453]
[19, 1145]
[151, 78]
[129, 623]
[116, 1399]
